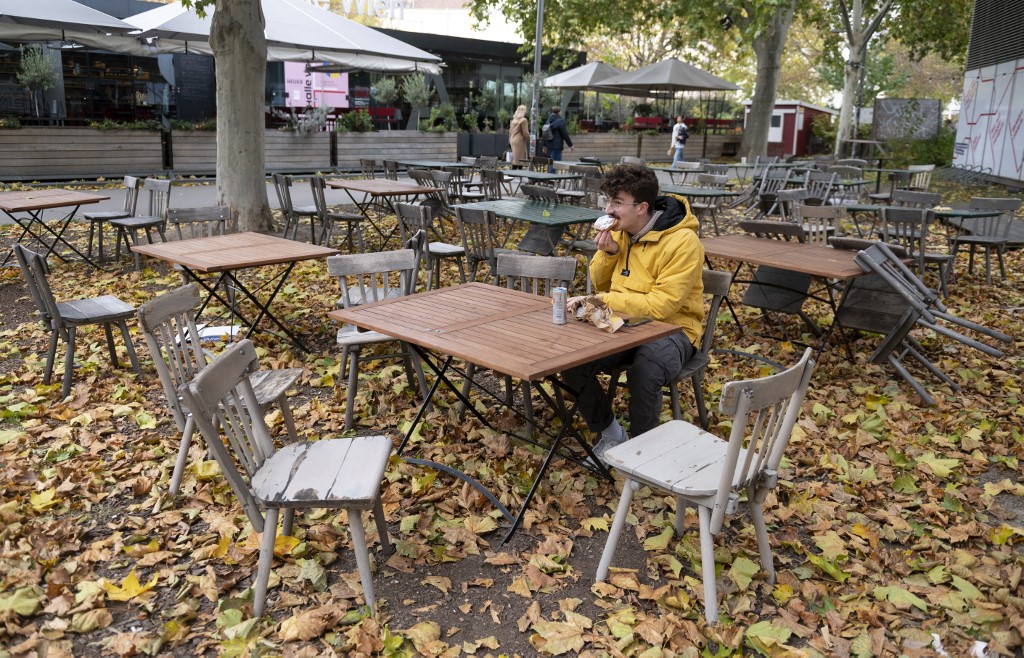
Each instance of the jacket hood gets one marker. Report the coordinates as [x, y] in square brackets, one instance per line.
[675, 212]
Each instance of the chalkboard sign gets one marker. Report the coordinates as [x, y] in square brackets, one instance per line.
[906, 118]
[196, 87]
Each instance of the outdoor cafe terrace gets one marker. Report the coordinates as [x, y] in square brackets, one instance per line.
[894, 525]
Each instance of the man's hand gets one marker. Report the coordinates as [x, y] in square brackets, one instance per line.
[606, 243]
[573, 303]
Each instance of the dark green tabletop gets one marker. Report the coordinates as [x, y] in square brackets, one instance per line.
[542, 176]
[537, 212]
[689, 190]
[432, 164]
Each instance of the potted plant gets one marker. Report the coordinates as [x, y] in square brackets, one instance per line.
[36, 73]
[417, 92]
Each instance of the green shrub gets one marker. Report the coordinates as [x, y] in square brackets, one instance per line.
[354, 122]
[936, 150]
[8, 123]
[205, 124]
[572, 124]
[442, 119]
[109, 124]
[471, 121]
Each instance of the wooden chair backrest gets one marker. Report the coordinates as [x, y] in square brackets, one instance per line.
[717, 169]
[199, 222]
[819, 222]
[685, 164]
[773, 181]
[317, 185]
[716, 284]
[846, 171]
[477, 230]
[714, 181]
[492, 181]
[414, 217]
[998, 226]
[539, 163]
[789, 199]
[484, 162]
[820, 185]
[539, 192]
[921, 176]
[535, 274]
[159, 196]
[131, 194]
[368, 168]
[764, 413]
[630, 159]
[366, 278]
[907, 227]
[34, 268]
[390, 169]
[168, 324]
[852, 162]
[221, 398]
[912, 199]
[773, 230]
[282, 185]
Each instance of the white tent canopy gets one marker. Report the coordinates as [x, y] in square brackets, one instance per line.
[56, 15]
[295, 31]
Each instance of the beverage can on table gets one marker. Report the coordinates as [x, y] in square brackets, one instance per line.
[558, 299]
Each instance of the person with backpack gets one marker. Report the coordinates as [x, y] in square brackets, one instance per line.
[555, 135]
[680, 133]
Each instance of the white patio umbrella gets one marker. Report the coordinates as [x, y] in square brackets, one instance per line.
[58, 15]
[52, 20]
[295, 31]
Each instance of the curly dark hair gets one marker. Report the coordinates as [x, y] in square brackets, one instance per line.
[636, 180]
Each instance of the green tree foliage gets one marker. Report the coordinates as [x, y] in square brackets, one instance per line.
[35, 73]
[385, 91]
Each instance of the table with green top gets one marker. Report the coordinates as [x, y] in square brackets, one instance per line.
[547, 220]
[691, 190]
[433, 164]
[953, 218]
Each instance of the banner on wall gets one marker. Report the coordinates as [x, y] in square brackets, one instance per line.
[989, 133]
[308, 89]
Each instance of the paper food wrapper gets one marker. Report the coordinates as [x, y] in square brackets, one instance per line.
[597, 313]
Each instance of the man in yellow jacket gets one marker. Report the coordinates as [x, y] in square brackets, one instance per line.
[649, 263]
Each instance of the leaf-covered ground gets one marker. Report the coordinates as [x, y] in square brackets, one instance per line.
[894, 524]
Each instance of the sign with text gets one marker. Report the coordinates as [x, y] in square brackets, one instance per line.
[308, 89]
[374, 8]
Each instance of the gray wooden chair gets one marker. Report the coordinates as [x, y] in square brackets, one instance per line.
[330, 473]
[789, 199]
[920, 177]
[390, 169]
[773, 289]
[189, 223]
[62, 319]
[367, 278]
[716, 284]
[914, 199]
[413, 218]
[97, 219]
[540, 163]
[820, 222]
[535, 192]
[168, 323]
[630, 159]
[329, 218]
[130, 227]
[478, 229]
[908, 227]
[820, 187]
[708, 206]
[987, 233]
[368, 168]
[538, 275]
[772, 181]
[898, 180]
[924, 309]
[703, 470]
[293, 214]
[687, 170]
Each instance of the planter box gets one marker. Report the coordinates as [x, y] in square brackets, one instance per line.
[395, 145]
[612, 146]
[60, 152]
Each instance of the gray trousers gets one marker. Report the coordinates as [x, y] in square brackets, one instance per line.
[648, 369]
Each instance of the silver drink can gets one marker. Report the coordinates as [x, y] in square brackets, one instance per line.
[558, 299]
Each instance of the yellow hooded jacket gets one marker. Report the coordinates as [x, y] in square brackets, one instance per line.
[660, 275]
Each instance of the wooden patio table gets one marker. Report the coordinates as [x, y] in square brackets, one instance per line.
[831, 265]
[537, 213]
[379, 193]
[26, 210]
[225, 255]
[479, 323]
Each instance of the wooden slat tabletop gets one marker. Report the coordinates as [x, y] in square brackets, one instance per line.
[433, 164]
[508, 331]
[236, 251]
[43, 199]
[381, 187]
[537, 212]
[816, 260]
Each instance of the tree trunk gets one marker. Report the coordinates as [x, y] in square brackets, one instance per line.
[858, 34]
[768, 47]
[851, 76]
[240, 53]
